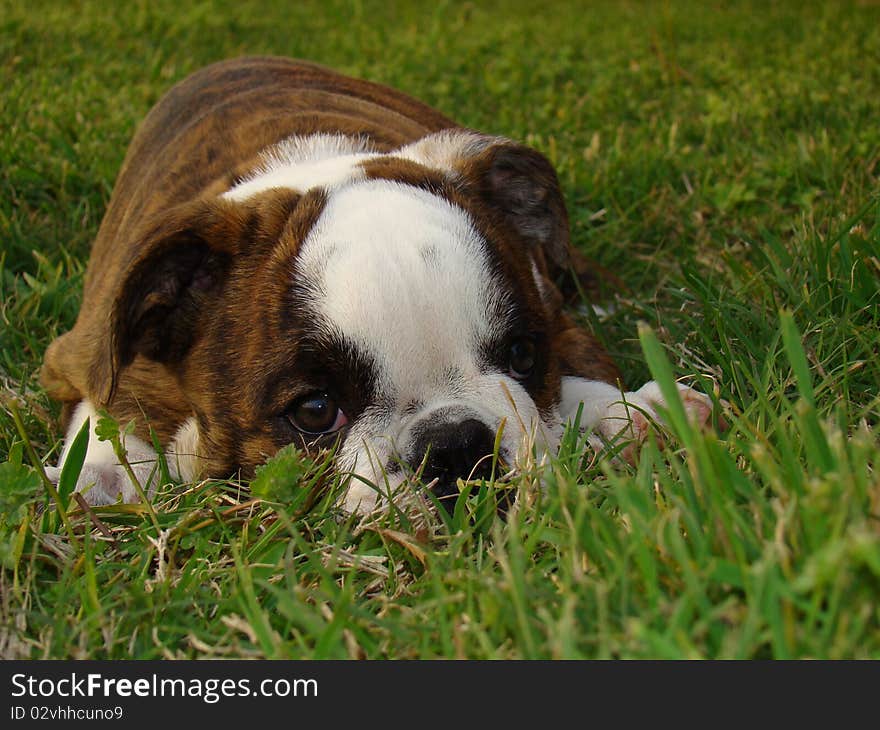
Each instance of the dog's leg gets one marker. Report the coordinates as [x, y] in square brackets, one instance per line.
[614, 416]
[103, 480]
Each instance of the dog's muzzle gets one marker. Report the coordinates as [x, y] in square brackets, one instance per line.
[452, 449]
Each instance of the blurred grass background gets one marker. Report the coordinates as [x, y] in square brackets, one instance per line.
[720, 158]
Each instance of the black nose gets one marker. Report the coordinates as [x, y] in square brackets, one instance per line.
[454, 449]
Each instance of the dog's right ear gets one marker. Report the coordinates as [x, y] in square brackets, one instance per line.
[180, 264]
[510, 178]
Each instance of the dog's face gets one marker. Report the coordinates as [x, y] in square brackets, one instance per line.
[394, 306]
[414, 341]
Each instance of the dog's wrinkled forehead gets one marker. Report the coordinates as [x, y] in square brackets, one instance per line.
[402, 275]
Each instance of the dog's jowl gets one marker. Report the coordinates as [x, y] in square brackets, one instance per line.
[294, 256]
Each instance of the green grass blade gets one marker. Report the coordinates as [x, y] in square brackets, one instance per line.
[73, 464]
[791, 340]
[661, 371]
[815, 441]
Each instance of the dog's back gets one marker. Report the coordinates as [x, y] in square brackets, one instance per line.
[208, 130]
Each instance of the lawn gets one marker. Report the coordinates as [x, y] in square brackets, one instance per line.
[721, 159]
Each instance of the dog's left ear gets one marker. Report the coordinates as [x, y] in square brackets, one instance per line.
[522, 184]
[182, 262]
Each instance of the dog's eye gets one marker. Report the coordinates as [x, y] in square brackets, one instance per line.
[317, 413]
[523, 356]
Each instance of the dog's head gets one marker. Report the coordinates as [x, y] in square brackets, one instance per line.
[398, 306]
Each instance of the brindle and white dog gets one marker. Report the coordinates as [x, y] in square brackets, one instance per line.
[294, 256]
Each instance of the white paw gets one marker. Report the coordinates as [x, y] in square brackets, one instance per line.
[625, 422]
[103, 484]
[628, 419]
[697, 406]
[102, 479]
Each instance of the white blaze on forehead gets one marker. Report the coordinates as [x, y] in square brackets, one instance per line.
[403, 275]
[302, 176]
[303, 163]
[447, 149]
[331, 160]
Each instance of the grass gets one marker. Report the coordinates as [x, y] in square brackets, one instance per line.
[721, 159]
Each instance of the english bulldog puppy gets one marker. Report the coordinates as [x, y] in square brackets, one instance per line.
[294, 256]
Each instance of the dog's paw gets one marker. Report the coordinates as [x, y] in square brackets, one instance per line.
[103, 484]
[697, 406]
[628, 420]
[102, 480]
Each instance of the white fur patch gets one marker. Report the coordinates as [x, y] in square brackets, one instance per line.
[183, 454]
[104, 480]
[445, 149]
[331, 160]
[303, 163]
[403, 275]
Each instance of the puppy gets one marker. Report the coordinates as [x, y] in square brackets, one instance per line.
[293, 256]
